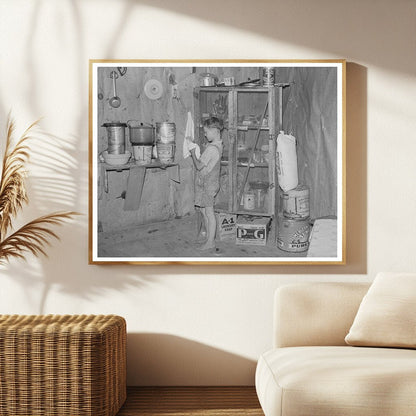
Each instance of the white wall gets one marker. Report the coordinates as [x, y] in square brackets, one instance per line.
[189, 324]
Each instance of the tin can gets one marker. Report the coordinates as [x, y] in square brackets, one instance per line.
[295, 203]
[116, 136]
[249, 201]
[267, 76]
[165, 153]
[229, 81]
[165, 132]
[293, 235]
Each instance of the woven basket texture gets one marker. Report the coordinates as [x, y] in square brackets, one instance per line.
[53, 365]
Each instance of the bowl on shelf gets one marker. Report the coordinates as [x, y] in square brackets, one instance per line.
[116, 159]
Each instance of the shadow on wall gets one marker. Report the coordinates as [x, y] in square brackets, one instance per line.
[70, 190]
[161, 359]
[331, 19]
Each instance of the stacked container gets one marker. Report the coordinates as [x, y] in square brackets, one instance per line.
[165, 142]
[293, 220]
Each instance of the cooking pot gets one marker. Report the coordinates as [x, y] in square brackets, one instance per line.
[141, 134]
[208, 80]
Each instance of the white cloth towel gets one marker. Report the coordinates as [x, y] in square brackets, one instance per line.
[188, 142]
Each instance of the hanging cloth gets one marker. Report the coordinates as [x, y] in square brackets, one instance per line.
[188, 142]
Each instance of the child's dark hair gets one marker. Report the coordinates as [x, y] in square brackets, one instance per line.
[214, 122]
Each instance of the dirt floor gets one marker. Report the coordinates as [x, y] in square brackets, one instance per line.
[177, 238]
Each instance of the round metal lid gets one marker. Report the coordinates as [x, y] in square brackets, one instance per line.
[114, 124]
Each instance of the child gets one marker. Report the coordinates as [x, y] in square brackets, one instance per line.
[207, 183]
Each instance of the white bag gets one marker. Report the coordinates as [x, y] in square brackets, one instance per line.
[287, 161]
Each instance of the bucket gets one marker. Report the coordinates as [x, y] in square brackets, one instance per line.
[292, 235]
[143, 154]
[295, 203]
[116, 136]
[165, 132]
[165, 152]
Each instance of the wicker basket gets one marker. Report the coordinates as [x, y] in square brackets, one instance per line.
[71, 365]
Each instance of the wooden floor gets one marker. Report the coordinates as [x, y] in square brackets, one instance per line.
[191, 401]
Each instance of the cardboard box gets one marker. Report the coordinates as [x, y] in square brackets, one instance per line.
[252, 230]
[226, 226]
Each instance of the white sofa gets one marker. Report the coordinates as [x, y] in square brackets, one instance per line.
[311, 371]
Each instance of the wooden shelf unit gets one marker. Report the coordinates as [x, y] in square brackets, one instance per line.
[266, 105]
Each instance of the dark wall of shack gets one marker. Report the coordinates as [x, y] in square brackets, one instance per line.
[309, 113]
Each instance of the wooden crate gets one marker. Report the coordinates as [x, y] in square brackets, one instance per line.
[62, 365]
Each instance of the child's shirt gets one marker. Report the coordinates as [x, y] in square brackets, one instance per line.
[210, 157]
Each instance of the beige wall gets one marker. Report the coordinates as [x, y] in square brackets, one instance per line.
[189, 324]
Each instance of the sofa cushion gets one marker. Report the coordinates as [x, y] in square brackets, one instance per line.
[387, 314]
[304, 381]
[318, 313]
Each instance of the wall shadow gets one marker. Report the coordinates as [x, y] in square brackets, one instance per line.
[248, 18]
[168, 360]
[338, 26]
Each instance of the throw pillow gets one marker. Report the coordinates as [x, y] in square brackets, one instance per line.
[386, 316]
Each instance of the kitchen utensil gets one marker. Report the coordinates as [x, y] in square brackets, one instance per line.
[229, 81]
[116, 137]
[267, 76]
[115, 160]
[153, 89]
[208, 80]
[250, 83]
[141, 134]
[114, 100]
[165, 132]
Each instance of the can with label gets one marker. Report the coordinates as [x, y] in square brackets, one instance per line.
[295, 203]
[267, 77]
[293, 235]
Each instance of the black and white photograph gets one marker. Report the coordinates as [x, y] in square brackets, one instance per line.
[217, 162]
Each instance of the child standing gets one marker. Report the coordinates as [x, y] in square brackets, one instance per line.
[207, 183]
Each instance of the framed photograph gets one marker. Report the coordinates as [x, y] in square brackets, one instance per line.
[217, 162]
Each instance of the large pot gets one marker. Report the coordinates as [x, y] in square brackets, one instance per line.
[141, 134]
[116, 137]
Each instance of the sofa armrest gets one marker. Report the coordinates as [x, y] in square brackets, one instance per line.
[308, 314]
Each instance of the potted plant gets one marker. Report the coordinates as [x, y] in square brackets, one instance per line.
[34, 236]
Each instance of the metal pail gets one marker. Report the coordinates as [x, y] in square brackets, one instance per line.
[165, 132]
[116, 135]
